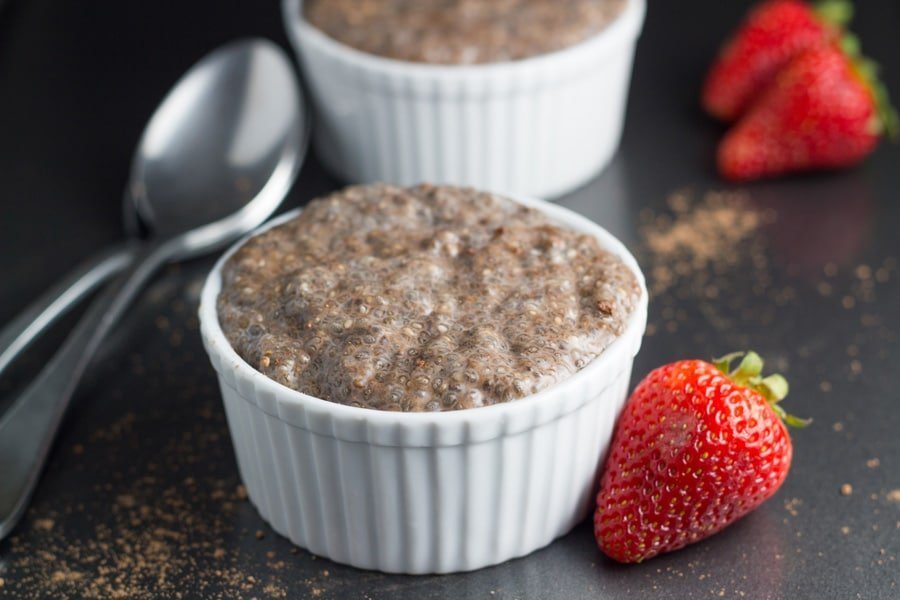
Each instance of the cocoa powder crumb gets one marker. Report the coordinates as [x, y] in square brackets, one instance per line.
[791, 505]
[273, 591]
[65, 576]
[44, 524]
[824, 288]
[117, 429]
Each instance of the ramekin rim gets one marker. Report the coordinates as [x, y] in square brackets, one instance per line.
[628, 25]
[628, 341]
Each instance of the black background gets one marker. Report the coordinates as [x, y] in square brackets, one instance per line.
[78, 81]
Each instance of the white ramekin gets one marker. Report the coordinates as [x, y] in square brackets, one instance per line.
[541, 126]
[424, 492]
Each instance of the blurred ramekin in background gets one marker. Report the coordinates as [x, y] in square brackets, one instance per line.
[540, 126]
[424, 492]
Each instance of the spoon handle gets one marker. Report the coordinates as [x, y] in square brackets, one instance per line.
[29, 426]
[19, 333]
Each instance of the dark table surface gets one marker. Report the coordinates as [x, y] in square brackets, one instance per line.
[141, 496]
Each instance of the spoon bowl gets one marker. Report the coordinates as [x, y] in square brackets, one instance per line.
[221, 151]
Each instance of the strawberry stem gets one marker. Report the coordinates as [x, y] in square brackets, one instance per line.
[748, 373]
[834, 12]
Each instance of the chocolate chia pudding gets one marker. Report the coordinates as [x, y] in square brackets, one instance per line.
[422, 299]
[461, 31]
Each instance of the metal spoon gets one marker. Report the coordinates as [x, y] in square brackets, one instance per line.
[217, 158]
[17, 335]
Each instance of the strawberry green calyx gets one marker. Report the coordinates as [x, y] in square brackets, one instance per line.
[850, 45]
[886, 120]
[748, 373]
[834, 12]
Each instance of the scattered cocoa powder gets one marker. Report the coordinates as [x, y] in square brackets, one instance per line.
[274, 591]
[151, 548]
[698, 239]
[117, 429]
[703, 256]
[155, 539]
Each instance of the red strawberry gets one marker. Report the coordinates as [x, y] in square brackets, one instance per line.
[823, 110]
[696, 448]
[772, 33]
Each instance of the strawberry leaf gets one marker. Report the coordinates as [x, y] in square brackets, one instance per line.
[790, 420]
[774, 388]
[834, 12]
[888, 122]
[749, 368]
[723, 363]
